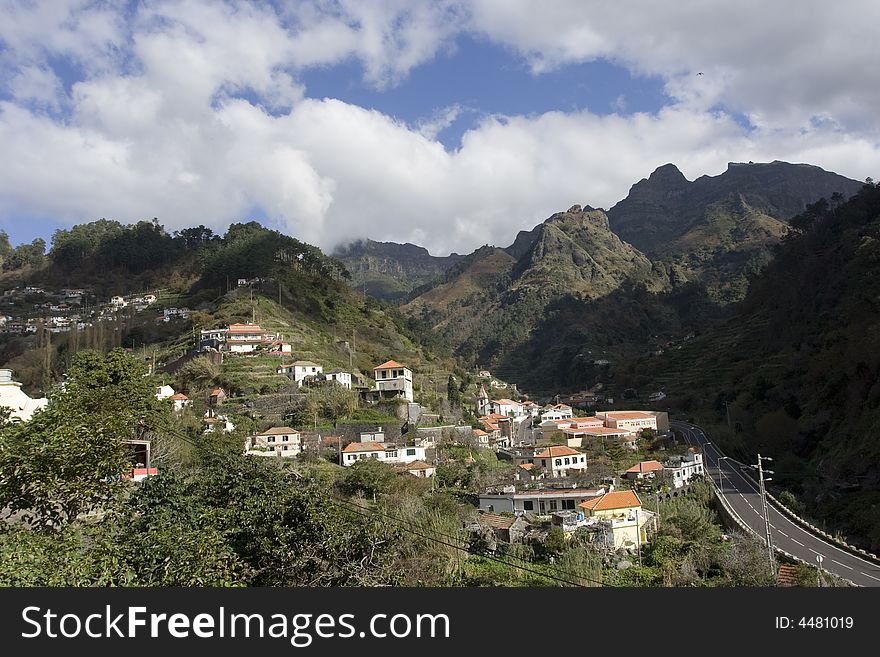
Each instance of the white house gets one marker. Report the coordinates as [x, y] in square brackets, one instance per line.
[118, 302]
[299, 370]
[556, 412]
[385, 452]
[164, 392]
[22, 407]
[377, 436]
[214, 422]
[558, 460]
[340, 376]
[282, 442]
[506, 407]
[244, 338]
[392, 377]
[180, 401]
[543, 501]
[684, 468]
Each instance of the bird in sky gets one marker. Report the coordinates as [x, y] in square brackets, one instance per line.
[700, 73]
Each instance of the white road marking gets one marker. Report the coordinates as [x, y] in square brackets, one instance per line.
[798, 542]
[842, 564]
[871, 576]
[782, 533]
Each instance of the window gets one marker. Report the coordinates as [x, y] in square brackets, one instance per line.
[285, 448]
[567, 461]
[410, 452]
[391, 455]
[528, 505]
[568, 504]
[271, 448]
[544, 463]
[374, 455]
[553, 505]
[271, 439]
[558, 461]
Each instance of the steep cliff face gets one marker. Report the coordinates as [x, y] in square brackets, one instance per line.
[666, 205]
[576, 252]
[720, 230]
[390, 271]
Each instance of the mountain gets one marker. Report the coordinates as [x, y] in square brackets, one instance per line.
[289, 287]
[797, 365]
[720, 230]
[387, 270]
[489, 303]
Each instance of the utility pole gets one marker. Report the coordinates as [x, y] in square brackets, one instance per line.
[819, 559]
[763, 491]
[639, 537]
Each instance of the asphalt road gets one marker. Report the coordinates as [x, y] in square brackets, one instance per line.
[742, 496]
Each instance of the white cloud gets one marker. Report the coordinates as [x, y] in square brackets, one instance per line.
[158, 124]
[779, 63]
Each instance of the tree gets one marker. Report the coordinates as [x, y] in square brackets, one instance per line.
[68, 458]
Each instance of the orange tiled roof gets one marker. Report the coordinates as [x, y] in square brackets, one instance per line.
[618, 499]
[391, 364]
[245, 328]
[496, 521]
[556, 450]
[628, 415]
[364, 447]
[646, 466]
[179, 397]
[277, 431]
[787, 575]
[415, 465]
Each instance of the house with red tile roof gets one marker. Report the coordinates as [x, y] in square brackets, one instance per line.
[385, 452]
[394, 380]
[555, 460]
[622, 511]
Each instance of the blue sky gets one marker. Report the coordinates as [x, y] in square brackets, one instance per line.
[447, 123]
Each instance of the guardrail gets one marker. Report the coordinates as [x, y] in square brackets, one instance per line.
[821, 533]
[732, 515]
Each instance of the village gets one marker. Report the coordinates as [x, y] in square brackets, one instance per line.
[552, 467]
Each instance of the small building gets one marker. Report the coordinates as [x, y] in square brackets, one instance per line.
[118, 302]
[558, 460]
[555, 412]
[21, 406]
[623, 509]
[394, 380]
[541, 502]
[180, 401]
[216, 396]
[219, 423]
[385, 452]
[282, 442]
[684, 468]
[483, 401]
[416, 469]
[340, 377]
[301, 371]
[644, 470]
[506, 407]
[507, 528]
[164, 392]
[245, 338]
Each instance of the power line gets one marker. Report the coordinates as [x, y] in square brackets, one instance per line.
[350, 507]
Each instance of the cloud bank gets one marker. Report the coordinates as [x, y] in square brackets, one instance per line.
[195, 112]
